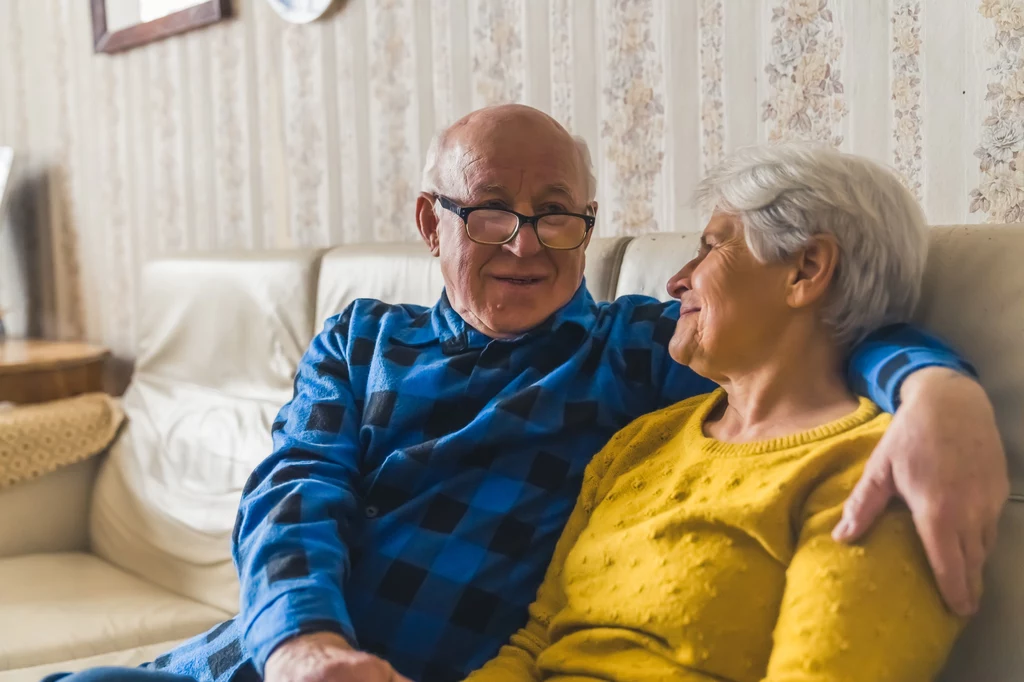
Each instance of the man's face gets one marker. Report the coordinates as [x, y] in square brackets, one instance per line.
[524, 164]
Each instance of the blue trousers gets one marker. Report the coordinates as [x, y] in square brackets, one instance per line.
[118, 675]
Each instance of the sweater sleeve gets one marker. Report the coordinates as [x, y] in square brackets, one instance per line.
[868, 612]
[517, 660]
[291, 539]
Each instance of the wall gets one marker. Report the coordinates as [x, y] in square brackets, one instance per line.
[253, 133]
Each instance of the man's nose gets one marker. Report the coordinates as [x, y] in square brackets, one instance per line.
[526, 243]
[679, 283]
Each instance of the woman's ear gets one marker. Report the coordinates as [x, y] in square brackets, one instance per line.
[813, 270]
[427, 222]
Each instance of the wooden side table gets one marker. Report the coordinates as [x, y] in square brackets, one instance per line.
[36, 371]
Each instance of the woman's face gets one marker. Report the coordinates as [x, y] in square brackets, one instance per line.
[731, 305]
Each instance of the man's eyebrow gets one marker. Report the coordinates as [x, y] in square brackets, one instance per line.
[559, 188]
[491, 188]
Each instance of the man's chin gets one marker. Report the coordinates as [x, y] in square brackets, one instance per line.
[512, 322]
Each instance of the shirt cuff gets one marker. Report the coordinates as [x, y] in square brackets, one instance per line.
[294, 613]
[892, 368]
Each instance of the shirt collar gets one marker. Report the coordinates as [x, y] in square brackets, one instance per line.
[455, 335]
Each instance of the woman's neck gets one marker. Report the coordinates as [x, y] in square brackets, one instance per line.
[799, 388]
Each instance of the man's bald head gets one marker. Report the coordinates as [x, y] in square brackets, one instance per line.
[445, 172]
[493, 162]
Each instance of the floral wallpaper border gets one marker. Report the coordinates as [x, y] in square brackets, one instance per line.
[633, 129]
[711, 72]
[498, 51]
[806, 94]
[906, 92]
[1000, 193]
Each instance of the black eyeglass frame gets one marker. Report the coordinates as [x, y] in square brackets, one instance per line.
[464, 212]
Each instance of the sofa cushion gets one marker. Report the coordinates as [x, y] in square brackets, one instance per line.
[973, 297]
[220, 339]
[393, 273]
[48, 514]
[59, 607]
[125, 658]
[990, 648]
[650, 260]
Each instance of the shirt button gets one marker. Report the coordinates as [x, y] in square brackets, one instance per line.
[371, 512]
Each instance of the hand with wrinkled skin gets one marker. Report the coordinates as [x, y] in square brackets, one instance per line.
[944, 457]
[326, 657]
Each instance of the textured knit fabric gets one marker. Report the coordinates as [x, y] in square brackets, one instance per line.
[687, 558]
[423, 472]
[39, 439]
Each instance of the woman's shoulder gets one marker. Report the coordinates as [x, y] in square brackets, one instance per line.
[671, 418]
[643, 436]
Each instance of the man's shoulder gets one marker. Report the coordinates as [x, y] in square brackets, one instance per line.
[369, 315]
[637, 308]
[637, 321]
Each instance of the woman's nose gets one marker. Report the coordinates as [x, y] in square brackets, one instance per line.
[680, 282]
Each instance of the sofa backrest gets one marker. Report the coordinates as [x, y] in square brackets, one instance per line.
[221, 337]
[219, 341]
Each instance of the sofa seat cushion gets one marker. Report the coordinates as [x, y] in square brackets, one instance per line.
[126, 658]
[61, 607]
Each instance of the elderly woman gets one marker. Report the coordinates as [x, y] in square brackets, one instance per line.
[700, 545]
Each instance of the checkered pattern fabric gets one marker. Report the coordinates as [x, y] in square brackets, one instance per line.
[423, 472]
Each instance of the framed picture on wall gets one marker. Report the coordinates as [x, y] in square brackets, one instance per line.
[121, 24]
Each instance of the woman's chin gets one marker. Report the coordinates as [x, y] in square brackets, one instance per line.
[681, 350]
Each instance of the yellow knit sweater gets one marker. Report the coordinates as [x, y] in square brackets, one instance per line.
[688, 558]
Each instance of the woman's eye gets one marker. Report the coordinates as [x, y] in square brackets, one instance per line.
[554, 208]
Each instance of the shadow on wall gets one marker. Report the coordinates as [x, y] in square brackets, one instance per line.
[19, 271]
[38, 259]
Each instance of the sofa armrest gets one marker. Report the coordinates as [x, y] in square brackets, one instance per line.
[49, 513]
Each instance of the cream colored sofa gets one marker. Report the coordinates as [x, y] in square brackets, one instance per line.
[114, 561]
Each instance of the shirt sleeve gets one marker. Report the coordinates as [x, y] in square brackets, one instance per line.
[292, 534]
[880, 363]
[517, 660]
[865, 612]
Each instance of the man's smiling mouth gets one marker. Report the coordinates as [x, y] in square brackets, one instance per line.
[520, 281]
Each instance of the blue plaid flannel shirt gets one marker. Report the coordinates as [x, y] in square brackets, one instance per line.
[422, 474]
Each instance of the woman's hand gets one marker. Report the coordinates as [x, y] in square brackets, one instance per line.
[944, 457]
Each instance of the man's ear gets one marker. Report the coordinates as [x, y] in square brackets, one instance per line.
[427, 222]
[814, 268]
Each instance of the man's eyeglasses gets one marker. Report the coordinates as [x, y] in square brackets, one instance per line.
[493, 226]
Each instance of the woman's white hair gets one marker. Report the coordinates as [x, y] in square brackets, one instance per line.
[785, 194]
[438, 173]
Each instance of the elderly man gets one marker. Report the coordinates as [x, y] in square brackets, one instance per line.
[430, 457]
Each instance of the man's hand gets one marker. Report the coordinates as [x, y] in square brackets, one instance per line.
[326, 657]
[944, 457]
